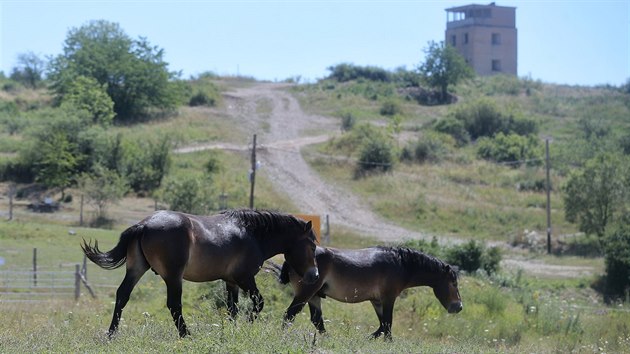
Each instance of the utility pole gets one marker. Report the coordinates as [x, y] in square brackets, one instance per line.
[252, 175]
[548, 185]
[11, 195]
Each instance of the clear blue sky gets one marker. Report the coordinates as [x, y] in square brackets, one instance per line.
[567, 42]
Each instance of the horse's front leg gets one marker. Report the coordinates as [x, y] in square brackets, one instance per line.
[232, 299]
[249, 286]
[385, 311]
[315, 307]
[296, 306]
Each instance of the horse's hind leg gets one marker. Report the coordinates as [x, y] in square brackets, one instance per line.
[124, 291]
[174, 303]
[315, 307]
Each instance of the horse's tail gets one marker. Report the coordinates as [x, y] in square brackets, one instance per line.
[117, 256]
[280, 271]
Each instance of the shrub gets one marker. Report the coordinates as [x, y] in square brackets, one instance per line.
[491, 260]
[390, 108]
[431, 248]
[347, 121]
[432, 147]
[617, 259]
[376, 156]
[201, 99]
[466, 256]
[188, 195]
[484, 118]
[512, 148]
[453, 127]
[346, 72]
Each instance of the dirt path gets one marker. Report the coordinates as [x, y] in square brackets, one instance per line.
[282, 128]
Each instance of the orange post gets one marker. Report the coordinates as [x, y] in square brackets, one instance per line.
[317, 224]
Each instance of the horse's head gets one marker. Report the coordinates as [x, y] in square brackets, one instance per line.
[301, 255]
[445, 290]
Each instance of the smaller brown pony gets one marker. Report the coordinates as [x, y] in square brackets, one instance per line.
[377, 274]
[231, 246]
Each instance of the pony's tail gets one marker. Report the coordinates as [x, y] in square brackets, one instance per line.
[280, 271]
[117, 256]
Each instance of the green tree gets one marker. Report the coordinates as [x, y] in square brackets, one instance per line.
[132, 71]
[145, 163]
[443, 67]
[596, 193]
[51, 149]
[102, 187]
[188, 194]
[29, 70]
[87, 94]
[57, 162]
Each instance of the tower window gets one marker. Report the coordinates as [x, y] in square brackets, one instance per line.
[496, 65]
[465, 38]
[496, 38]
[453, 40]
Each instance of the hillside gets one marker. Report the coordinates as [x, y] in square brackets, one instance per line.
[457, 199]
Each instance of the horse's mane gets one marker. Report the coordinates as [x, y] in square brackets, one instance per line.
[263, 221]
[414, 259]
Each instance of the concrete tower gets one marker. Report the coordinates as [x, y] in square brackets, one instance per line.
[485, 35]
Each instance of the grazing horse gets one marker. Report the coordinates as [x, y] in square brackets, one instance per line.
[377, 274]
[231, 246]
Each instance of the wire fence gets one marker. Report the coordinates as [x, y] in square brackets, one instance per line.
[37, 284]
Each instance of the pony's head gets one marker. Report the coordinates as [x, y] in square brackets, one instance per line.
[446, 291]
[301, 255]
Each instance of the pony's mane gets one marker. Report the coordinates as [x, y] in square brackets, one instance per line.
[415, 259]
[263, 221]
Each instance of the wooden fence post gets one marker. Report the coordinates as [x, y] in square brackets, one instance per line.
[77, 282]
[327, 230]
[34, 266]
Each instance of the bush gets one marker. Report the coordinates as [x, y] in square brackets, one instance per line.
[512, 148]
[431, 248]
[491, 260]
[376, 156]
[483, 118]
[188, 195]
[390, 108]
[617, 258]
[466, 256]
[201, 99]
[347, 121]
[454, 128]
[346, 72]
[432, 147]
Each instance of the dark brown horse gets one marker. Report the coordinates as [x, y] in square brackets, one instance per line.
[231, 246]
[377, 275]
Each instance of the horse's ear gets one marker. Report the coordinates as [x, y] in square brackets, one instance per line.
[308, 226]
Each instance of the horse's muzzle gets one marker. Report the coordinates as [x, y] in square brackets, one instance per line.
[455, 307]
[311, 276]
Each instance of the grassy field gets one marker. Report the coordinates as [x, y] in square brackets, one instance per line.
[511, 312]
